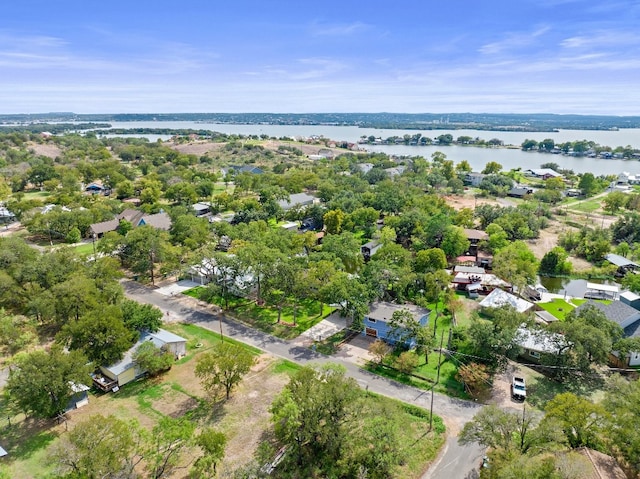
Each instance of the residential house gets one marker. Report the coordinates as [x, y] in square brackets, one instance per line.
[239, 282]
[498, 298]
[376, 322]
[369, 249]
[126, 370]
[96, 187]
[161, 221]
[365, 167]
[254, 170]
[201, 209]
[473, 179]
[6, 216]
[395, 171]
[627, 317]
[535, 343]
[543, 173]
[475, 237]
[298, 200]
[519, 191]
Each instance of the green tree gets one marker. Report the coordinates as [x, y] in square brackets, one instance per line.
[100, 334]
[582, 421]
[169, 439]
[223, 367]
[311, 413]
[333, 221]
[622, 401]
[189, 231]
[432, 259]
[588, 184]
[454, 242]
[141, 317]
[516, 263]
[99, 447]
[555, 262]
[40, 383]
[511, 432]
[15, 333]
[152, 359]
[498, 238]
[614, 201]
[212, 443]
[492, 168]
[406, 362]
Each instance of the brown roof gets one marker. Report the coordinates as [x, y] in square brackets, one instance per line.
[104, 227]
[131, 215]
[161, 221]
[475, 234]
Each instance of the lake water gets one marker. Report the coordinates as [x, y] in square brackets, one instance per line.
[571, 287]
[477, 157]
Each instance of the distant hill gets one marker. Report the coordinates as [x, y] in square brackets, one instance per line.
[421, 121]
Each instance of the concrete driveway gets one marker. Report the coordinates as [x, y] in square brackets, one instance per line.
[325, 328]
[176, 288]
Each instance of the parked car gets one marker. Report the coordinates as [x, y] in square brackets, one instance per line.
[518, 389]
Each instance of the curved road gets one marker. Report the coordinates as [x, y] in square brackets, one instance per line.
[455, 461]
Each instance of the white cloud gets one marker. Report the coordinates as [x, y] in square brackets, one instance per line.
[338, 29]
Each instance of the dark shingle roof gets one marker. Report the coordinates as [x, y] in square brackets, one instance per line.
[616, 311]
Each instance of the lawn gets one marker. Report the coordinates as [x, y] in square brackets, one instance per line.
[557, 307]
[84, 249]
[586, 206]
[265, 318]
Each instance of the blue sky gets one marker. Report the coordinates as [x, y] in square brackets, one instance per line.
[556, 56]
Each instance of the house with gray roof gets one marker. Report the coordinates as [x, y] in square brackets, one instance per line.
[297, 199]
[376, 322]
[161, 221]
[628, 318]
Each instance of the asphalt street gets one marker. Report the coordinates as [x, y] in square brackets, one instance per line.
[455, 461]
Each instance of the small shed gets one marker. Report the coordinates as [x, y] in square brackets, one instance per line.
[369, 249]
[631, 299]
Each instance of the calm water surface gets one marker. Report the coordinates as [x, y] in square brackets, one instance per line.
[477, 157]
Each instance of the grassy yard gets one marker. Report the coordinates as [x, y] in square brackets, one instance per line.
[586, 206]
[557, 307]
[579, 301]
[265, 318]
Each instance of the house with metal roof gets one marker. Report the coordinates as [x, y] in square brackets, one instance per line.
[297, 199]
[126, 370]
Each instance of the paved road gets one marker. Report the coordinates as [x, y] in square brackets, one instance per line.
[455, 461]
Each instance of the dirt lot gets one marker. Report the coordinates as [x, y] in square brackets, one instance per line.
[46, 149]
[245, 418]
[468, 200]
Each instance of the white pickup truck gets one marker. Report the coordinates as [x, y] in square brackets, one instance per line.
[518, 389]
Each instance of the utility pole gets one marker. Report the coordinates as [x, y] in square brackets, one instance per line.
[434, 384]
[151, 257]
